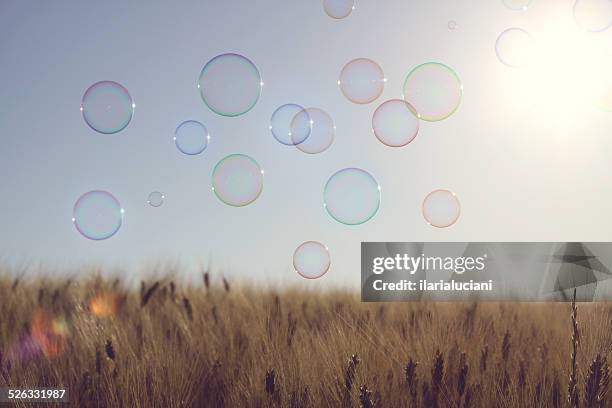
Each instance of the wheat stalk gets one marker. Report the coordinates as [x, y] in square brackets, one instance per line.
[573, 395]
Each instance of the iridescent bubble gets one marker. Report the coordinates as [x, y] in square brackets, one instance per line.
[593, 15]
[441, 208]
[338, 9]
[230, 84]
[519, 5]
[395, 123]
[107, 107]
[319, 126]
[515, 47]
[452, 24]
[311, 260]
[97, 215]
[191, 137]
[156, 199]
[434, 90]
[237, 180]
[281, 124]
[352, 196]
[362, 80]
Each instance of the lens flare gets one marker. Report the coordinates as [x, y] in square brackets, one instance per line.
[49, 333]
[105, 305]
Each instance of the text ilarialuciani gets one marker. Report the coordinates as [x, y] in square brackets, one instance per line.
[426, 286]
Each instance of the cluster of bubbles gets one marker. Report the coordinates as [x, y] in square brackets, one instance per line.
[230, 85]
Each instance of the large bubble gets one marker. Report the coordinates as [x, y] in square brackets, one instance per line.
[281, 124]
[107, 107]
[515, 47]
[318, 126]
[352, 196]
[520, 5]
[191, 137]
[593, 15]
[395, 123]
[361, 80]
[441, 208]
[338, 9]
[311, 260]
[434, 90]
[230, 84]
[97, 215]
[237, 180]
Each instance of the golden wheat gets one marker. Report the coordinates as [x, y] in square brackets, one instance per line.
[170, 346]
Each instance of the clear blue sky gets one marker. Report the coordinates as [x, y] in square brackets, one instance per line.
[521, 172]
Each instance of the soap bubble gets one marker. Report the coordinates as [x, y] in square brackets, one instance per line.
[593, 15]
[97, 215]
[515, 47]
[452, 24]
[319, 126]
[191, 137]
[107, 107]
[395, 123]
[517, 4]
[434, 90]
[352, 196]
[230, 84]
[441, 208]
[311, 260]
[281, 124]
[362, 80]
[156, 199]
[338, 9]
[237, 180]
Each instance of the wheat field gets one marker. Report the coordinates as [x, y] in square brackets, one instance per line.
[222, 345]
